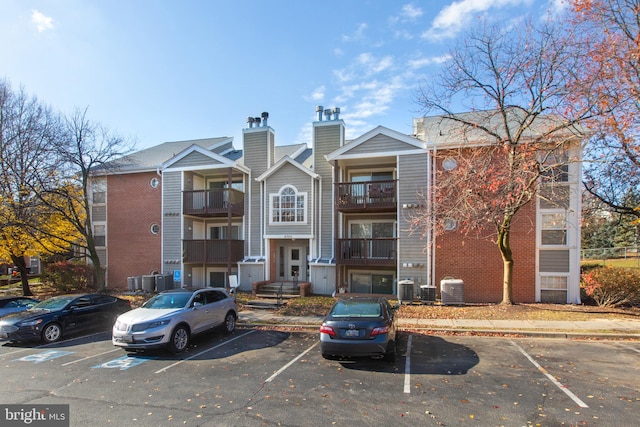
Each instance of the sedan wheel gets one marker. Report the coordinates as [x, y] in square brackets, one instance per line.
[229, 323]
[51, 333]
[179, 340]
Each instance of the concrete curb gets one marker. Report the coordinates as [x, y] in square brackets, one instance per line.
[575, 335]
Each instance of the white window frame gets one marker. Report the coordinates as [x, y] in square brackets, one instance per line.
[296, 194]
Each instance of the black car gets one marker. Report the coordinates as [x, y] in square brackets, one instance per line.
[49, 320]
[360, 326]
[14, 304]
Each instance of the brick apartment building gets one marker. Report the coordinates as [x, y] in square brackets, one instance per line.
[334, 214]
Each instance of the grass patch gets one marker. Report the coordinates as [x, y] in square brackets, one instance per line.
[613, 262]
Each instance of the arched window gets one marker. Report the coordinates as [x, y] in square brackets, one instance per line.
[288, 206]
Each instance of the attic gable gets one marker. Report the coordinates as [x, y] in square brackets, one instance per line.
[195, 156]
[380, 141]
[286, 160]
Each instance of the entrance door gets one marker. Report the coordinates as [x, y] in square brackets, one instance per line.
[295, 270]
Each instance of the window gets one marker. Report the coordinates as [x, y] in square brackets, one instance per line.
[220, 232]
[555, 167]
[99, 235]
[553, 289]
[449, 164]
[450, 224]
[554, 228]
[154, 182]
[371, 176]
[288, 206]
[99, 190]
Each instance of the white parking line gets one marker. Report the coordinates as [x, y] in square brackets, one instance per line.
[628, 347]
[281, 370]
[407, 367]
[16, 352]
[553, 380]
[91, 357]
[166, 368]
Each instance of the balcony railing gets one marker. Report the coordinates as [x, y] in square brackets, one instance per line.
[370, 196]
[366, 251]
[212, 203]
[212, 251]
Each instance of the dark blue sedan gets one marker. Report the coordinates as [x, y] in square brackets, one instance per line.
[49, 320]
[360, 327]
[14, 304]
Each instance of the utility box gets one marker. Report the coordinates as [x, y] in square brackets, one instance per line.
[148, 283]
[164, 282]
[137, 280]
[405, 291]
[427, 294]
[131, 283]
[452, 291]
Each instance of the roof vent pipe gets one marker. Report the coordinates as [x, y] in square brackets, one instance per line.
[319, 109]
[257, 121]
[265, 116]
[327, 113]
[250, 121]
[336, 113]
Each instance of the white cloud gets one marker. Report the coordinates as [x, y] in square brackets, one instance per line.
[415, 64]
[455, 17]
[42, 21]
[411, 12]
[358, 34]
[318, 93]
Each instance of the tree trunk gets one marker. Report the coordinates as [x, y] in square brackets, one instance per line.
[19, 262]
[504, 245]
[98, 273]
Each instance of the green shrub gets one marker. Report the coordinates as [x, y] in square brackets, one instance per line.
[611, 286]
[68, 276]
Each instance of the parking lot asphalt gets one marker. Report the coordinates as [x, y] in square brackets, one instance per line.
[596, 328]
[274, 378]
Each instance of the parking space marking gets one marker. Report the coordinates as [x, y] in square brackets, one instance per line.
[90, 357]
[44, 356]
[281, 370]
[551, 377]
[123, 363]
[407, 367]
[166, 368]
[22, 350]
[628, 347]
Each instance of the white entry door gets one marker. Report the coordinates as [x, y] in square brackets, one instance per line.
[296, 269]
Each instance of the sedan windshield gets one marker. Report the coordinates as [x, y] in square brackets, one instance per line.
[53, 304]
[356, 309]
[170, 300]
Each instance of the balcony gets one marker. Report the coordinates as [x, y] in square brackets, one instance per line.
[366, 251]
[213, 203]
[212, 251]
[375, 196]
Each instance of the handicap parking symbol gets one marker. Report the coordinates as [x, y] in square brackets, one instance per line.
[44, 356]
[123, 363]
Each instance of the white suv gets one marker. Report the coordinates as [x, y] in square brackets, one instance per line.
[170, 318]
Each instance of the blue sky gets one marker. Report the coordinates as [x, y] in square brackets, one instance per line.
[158, 71]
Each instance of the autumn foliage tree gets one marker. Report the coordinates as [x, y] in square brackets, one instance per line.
[28, 132]
[84, 148]
[610, 29]
[521, 128]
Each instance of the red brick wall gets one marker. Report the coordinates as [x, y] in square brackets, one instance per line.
[479, 264]
[132, 207]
